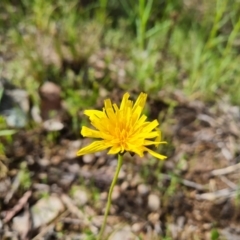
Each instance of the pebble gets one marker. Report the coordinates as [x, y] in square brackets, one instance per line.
[181, 221]
[123, 234]
[76, 144]
[74, 168]
[20, 223]
[122, 174]
[43, 212]
[153, 217]
[52, 125]
[44, 162]
[153, 202]
[137, 227]
[143, 189]
[124, 185]
[101, 161]
[88, 158]
[103, 196]
[138, 201]
[116, 193]
[80, 196]
[136, 181]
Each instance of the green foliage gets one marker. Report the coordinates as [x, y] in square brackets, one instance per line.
[165, 45]
[24, 176]
[4, 132]
[215, 234]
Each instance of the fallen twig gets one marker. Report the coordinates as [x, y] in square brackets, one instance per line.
[14, 188]
[228, 182]
[186, 182]
[19, 206]
[74, 209]
[25, 234]
[226, 170]
[46, 229]
[220, 194]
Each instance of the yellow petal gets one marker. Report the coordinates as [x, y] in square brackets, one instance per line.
[137, 150]
[141, 100]
[96, 146]
[147, 135]
[114, 150]
[148, 142]
[109, 111]
[155, 154]
[149, 127]
[159, 137]
[93, 113]
[88, 132]
[136, 114]
[124, 100]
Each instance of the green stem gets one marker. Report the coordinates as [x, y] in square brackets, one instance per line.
[109, 201]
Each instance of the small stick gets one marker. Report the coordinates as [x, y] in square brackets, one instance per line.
[73, 208]
[19, 206]
[226, 170]
[186, 182]
[224, 193]
[229, 183]
[47, 228]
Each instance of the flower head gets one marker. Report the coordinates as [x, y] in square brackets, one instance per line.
[122, 128]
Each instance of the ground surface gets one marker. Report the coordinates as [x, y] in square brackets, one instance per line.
[46, 192]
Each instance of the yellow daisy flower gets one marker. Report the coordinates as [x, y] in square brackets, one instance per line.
[122, 129]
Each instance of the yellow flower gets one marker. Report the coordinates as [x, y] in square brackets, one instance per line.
[122, 129]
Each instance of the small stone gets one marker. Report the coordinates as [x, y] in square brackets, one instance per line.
[207, 226]
[50, 95]
[100, 64]
[103, 196]
[137, 227]
[124, 233]
[153, 202]
[122, 174]
[88, 158]
[139, 201]
[181, 221]
[74, 168]
[35, 113]
[124, 185]
[71, 154]
[80, 196]
[198, 215]
[143, 189]
[153, 217]
[53, 125]
[136, 181]
[101, 161]
[46, 210]
[76, 144]
[103, 92]
[66, 179]
[20, 223]
[5, 185]
[56, 159]
[116, 193]
[44, 162]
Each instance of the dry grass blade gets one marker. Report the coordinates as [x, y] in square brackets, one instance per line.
[74, 209]
[20, 205]
[227, 170]
[217, 195]
[186, 183]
